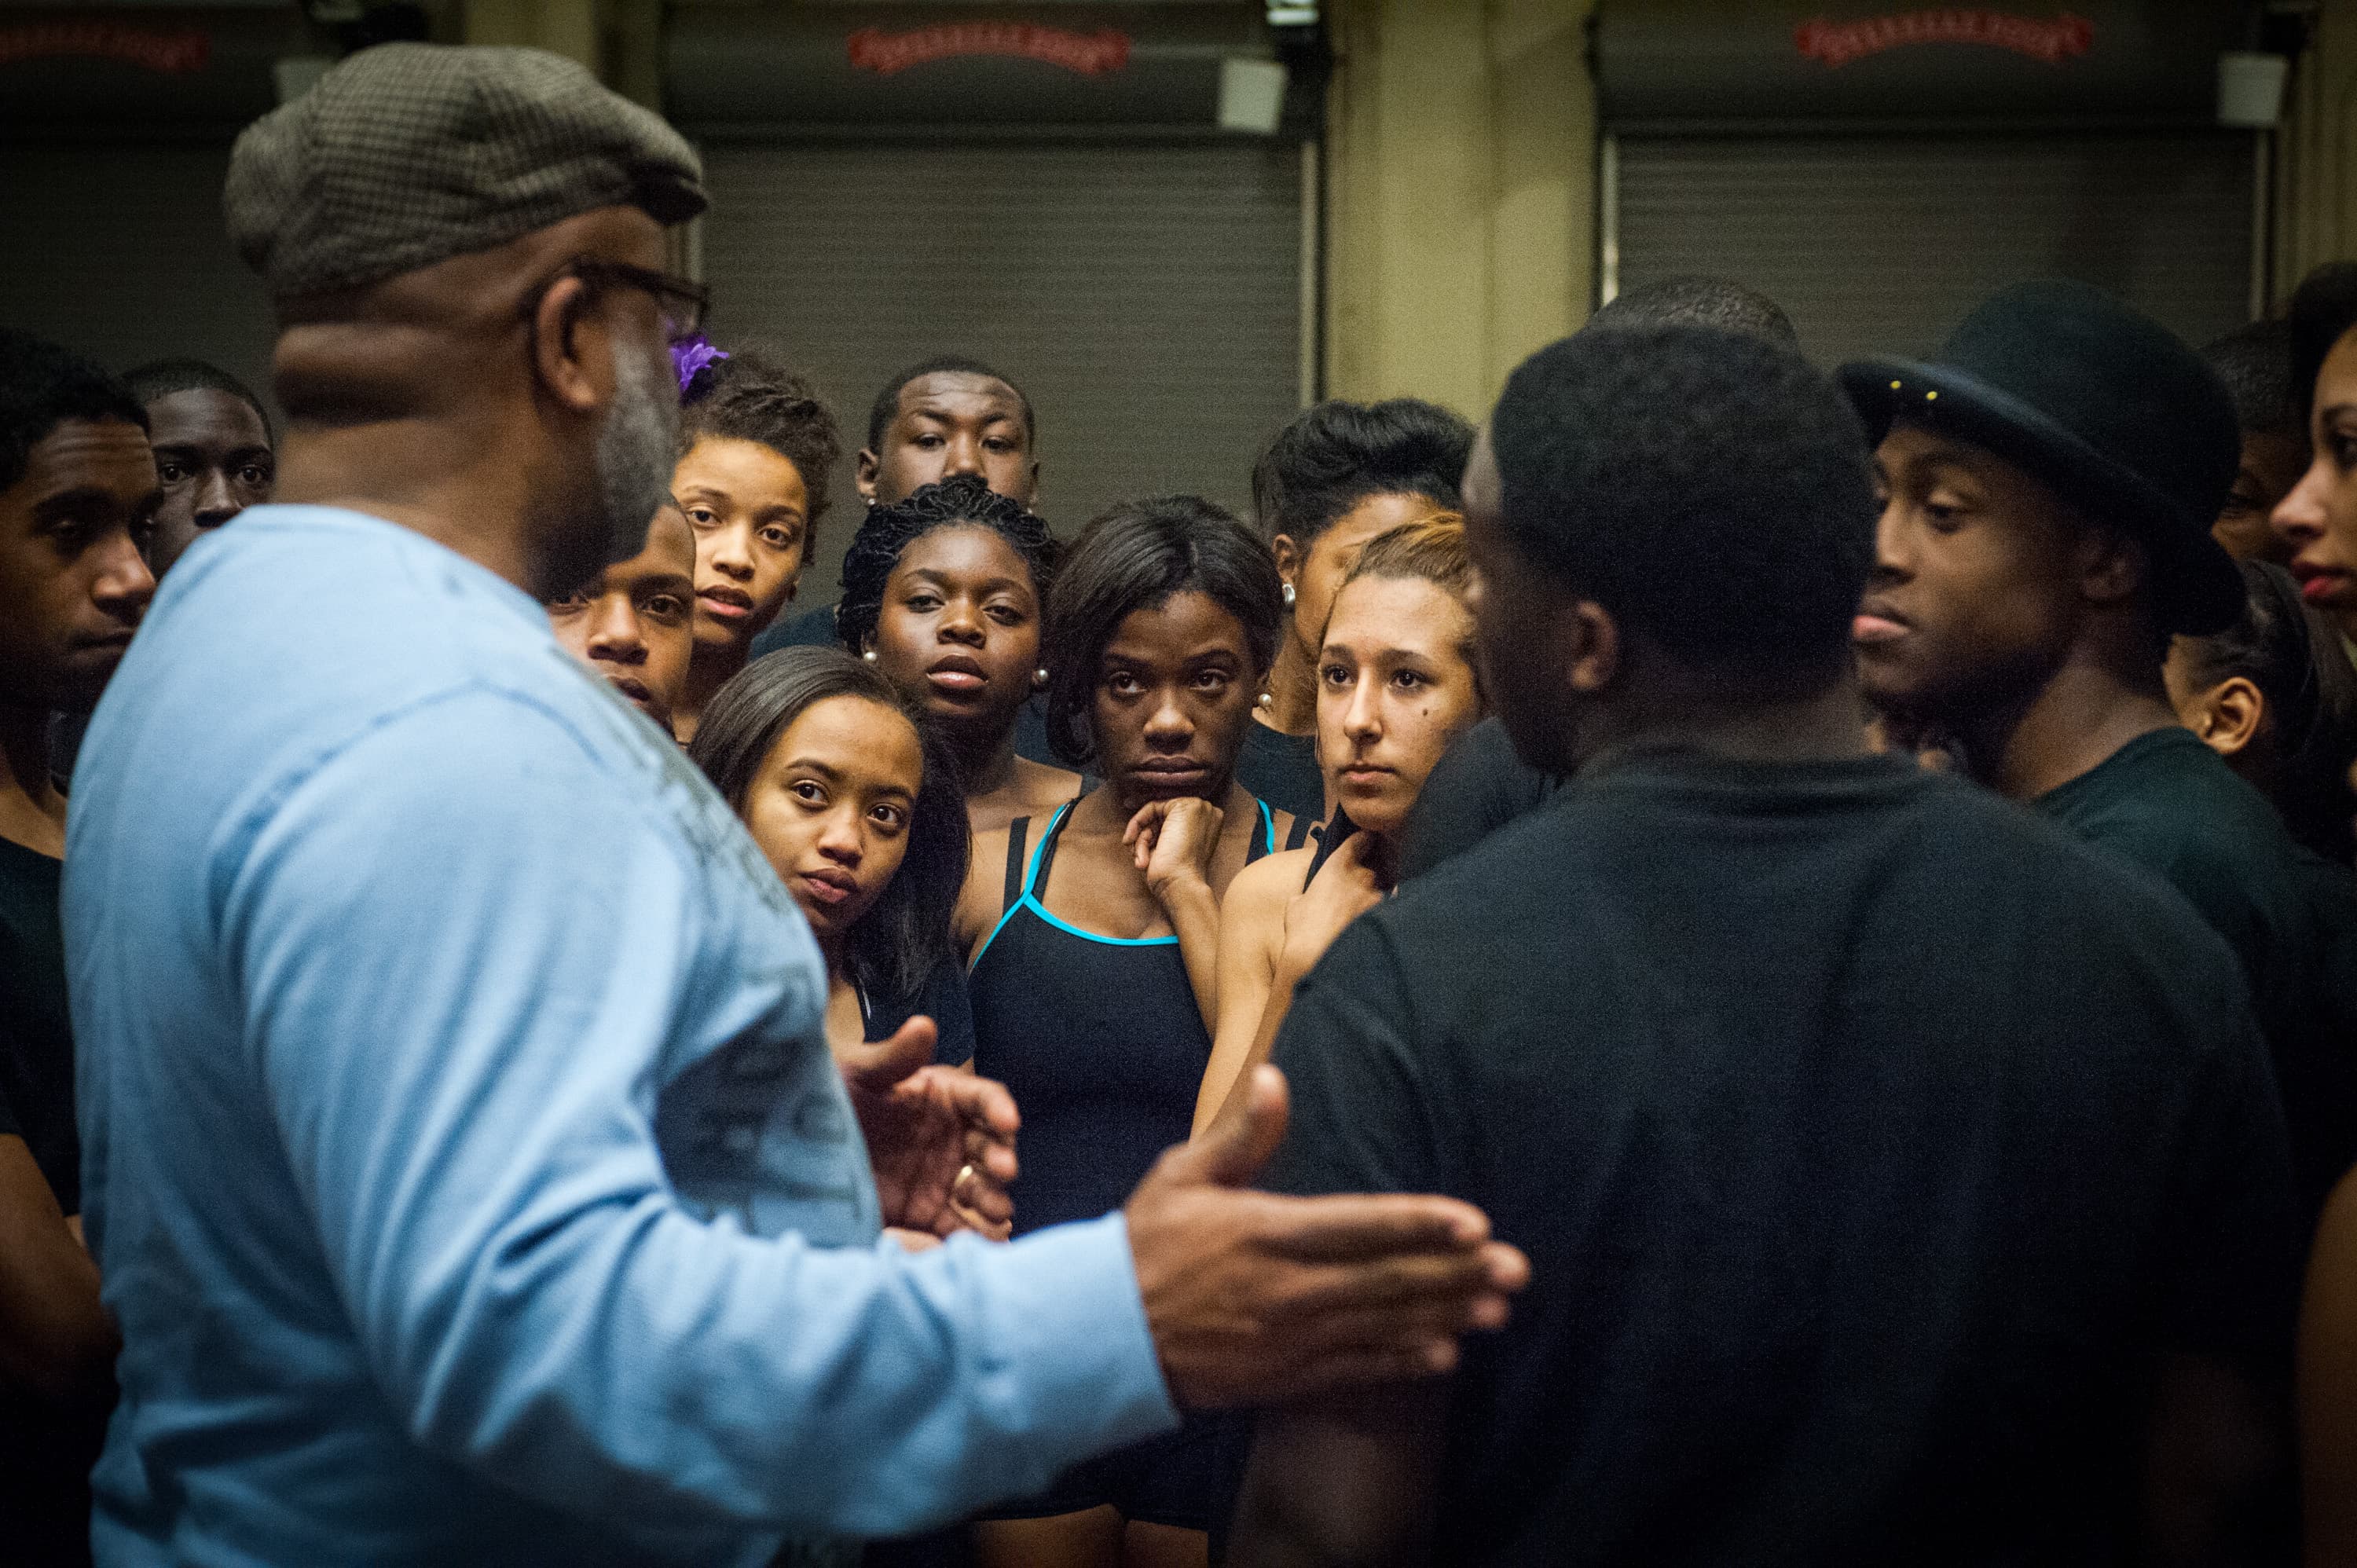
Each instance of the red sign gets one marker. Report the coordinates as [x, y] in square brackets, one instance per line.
[1100, 53]
[2049, 40]
[176, 53]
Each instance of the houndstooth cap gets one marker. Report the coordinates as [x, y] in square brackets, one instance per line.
[408, 154]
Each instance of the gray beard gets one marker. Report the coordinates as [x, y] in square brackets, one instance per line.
[635, 451]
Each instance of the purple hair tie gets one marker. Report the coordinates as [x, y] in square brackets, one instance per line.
[690, 355]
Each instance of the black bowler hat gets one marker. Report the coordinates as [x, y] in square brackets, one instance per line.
[2102, 403]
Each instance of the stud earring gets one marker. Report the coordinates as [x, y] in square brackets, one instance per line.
[869, 656]
[1288, 595]
[1039, 677]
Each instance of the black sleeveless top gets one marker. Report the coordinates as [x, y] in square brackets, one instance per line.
[1098, 1039]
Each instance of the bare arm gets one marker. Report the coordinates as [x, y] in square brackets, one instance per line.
[1252, 927]
[2327, 1387]
[55, 1340]
[1174, 841]
[1343, 1482]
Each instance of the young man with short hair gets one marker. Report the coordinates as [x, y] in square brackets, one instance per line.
[944, 416]
[214, 451]
[2050, 481]
[1903, 1180]
[634, 627]
[77, 492]
[2255, 363]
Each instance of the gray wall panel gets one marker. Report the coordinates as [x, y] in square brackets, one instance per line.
[1146, 297]
[1882, 245]
[119, 250]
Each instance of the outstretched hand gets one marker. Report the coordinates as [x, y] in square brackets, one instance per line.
[1257, 1299]
[942, 1141]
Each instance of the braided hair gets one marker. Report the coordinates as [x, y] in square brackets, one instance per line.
[747, 396]
[961, 501]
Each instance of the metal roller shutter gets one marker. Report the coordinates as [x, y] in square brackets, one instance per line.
[1148, 297]
[1881, 244]
[119, 250]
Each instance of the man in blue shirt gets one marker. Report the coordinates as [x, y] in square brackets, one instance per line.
[463, 1157]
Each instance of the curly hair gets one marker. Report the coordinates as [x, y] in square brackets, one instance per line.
[1132, 558]
[1709, 489]
[43, 385]
[750, 397]
[963, 501]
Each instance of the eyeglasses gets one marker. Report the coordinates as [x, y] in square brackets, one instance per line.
[683, 303]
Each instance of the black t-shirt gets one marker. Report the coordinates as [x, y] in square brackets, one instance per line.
[1282, 769]
[942, 998]
[2171, 805]
[37, 1063]
[1478, 786]
[1867, 1136]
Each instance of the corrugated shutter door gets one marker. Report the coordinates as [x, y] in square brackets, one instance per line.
[1148, 297]
[1879, 245]
[119, 250]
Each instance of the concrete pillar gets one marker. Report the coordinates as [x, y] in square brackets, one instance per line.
[2316, 153]
[1460, 167]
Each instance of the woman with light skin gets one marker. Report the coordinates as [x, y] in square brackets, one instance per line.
[1096, 932]
[855, 807]
[756, 450]
[1396, 683]
[942, 592]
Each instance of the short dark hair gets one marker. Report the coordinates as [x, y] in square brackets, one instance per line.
[1132, 558]
[2323, 309]
[162, 378]
[1335, 455]
[2255, 361]
[886, 406]
[1709, 489]
[906, 934]
[961, 500]
[1691, 299]
[2292, 655]
[748, 396]
[41, 387]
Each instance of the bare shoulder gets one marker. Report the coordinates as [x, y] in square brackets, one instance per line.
[1270, 882]
[1041, 788]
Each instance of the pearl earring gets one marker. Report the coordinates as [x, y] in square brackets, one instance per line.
[1039, 677]
[1288, 595]
[869, 656]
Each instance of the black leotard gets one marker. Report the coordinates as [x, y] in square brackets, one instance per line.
[1099, 1038]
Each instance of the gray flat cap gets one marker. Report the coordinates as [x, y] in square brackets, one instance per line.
[407, 155]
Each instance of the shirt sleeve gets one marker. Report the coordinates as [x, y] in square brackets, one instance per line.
[463, 946]
[1363, 1085]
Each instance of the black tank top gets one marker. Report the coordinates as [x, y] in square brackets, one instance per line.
[1099, 1039]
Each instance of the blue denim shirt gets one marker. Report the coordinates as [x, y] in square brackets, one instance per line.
[462, 1153]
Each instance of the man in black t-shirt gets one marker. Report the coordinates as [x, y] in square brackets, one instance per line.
[78, 491]
[2051, 483]
[1481, 785]
[1903, 1182]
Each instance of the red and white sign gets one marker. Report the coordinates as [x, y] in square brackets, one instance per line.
[2051, 40]
[1100, 53]
[177, 52]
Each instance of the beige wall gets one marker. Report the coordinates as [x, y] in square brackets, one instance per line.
[2316, 183]
[1460, 179]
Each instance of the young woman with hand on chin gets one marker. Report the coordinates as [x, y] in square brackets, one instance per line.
[1092, 979]
[857, 810]
[942, 592]
[755, 450]
[1396, 683]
